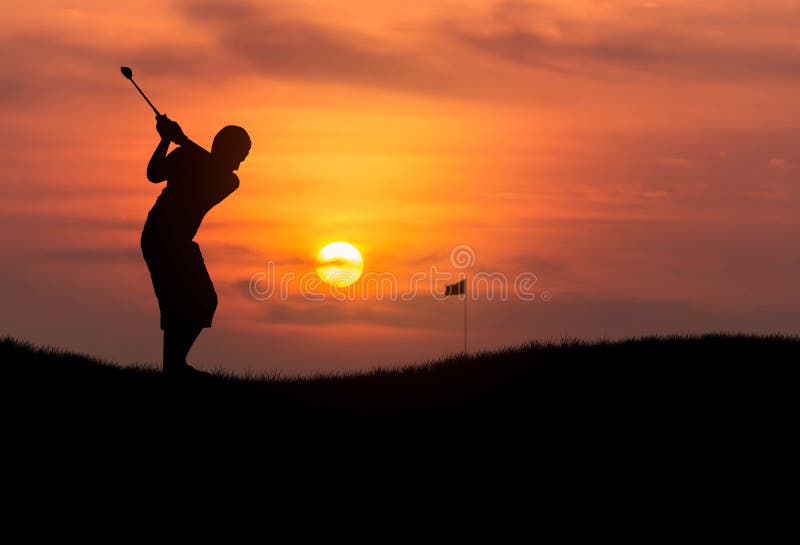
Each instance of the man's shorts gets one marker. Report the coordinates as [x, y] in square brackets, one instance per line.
[185, 293]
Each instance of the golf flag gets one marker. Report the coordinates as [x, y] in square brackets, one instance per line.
[459, 288]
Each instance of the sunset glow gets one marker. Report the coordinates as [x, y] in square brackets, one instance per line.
[639, 158]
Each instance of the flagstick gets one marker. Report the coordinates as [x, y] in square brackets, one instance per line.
[460, 288]
[465, 319]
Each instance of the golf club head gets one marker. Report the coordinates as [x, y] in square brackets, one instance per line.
[128, 73]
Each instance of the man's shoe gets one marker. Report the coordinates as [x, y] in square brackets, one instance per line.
[191, 372]
[185, 371]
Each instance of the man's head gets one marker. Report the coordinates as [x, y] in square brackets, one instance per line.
[231, 146]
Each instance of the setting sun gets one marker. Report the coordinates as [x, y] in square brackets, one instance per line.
[339, 264]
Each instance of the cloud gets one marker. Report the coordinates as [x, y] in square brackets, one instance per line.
[692, 42]
[62, 223]
[274, 44]
[134, 254]
[67, 67]
[230, 251]
[779, 163]
[695, 42]
[537, 264]
[461, 54]
[495, 322]
[98, 255]
[10, 89]
[415, 314]
[675, 162]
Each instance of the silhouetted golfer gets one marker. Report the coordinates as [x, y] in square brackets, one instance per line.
[196, 181]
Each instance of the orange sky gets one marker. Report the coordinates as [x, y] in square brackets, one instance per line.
[639, 157]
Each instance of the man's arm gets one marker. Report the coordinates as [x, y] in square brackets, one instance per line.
[157, 167]
[186, 143]
[170, 131]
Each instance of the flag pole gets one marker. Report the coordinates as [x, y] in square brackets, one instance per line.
[466, 296]
[465, 322]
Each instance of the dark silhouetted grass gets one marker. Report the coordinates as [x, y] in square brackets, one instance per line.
[643, 381]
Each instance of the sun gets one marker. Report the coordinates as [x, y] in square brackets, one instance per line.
[339, 264]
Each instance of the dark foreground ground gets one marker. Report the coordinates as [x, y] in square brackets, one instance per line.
[655, 427]
[641, 381]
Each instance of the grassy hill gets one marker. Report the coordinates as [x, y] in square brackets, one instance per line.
[641, 381]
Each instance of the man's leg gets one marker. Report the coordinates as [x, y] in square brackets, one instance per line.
[190, 336]
[173, 360]
[177, 343]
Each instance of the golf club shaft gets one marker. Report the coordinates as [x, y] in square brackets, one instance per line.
[145, 97]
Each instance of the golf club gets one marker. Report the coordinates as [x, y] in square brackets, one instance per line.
[128, 73]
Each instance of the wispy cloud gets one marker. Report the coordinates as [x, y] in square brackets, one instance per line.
[275, 44]
[464, 54]
[712, 41]
[98, 255]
